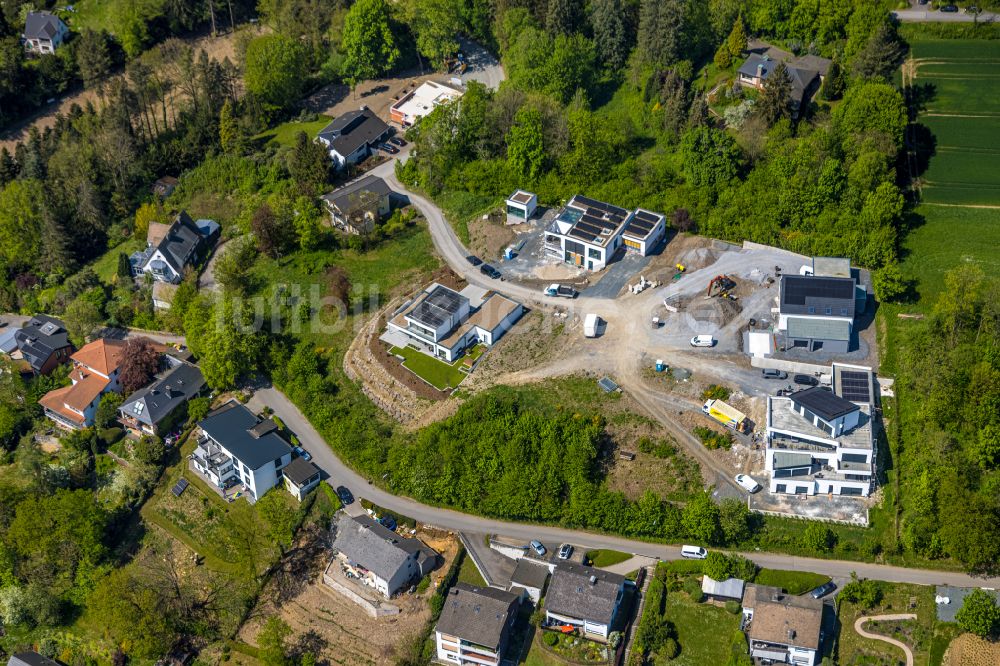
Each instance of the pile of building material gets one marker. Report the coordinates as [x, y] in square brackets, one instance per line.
[642, 285]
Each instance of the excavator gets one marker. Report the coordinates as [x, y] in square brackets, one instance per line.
[720, 286]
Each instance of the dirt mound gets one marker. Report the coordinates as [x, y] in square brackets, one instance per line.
[717, 311]
[699, 257]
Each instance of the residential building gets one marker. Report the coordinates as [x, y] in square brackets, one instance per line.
[42, 343]
[301, 476]
[416, 104]
[95, 372]
[475, 625]
[172, 249]
[816, 312]
[823, 441]
[806, 75]
[30, 659]
[351, 138]
[44, 32]
[585, 597]
[722, 590]
[587, 233]
[235, 446]
[378, 557]
[529, 578]
[157, 408]
[521, 206]
[782, 628]
[358, 206]
[443, 322]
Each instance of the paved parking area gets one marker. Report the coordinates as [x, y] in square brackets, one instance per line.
[617, 275]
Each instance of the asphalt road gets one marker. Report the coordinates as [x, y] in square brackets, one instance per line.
[929, 16]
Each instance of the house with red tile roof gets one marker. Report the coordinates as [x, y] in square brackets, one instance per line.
[95, 372]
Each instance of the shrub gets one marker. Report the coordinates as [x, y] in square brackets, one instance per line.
[111, 435]
[550, 638]
[670, 649]
[712, 439]
[715, 392]
[424, 583]
[693, 588]
[819, 537]
[733, 606]
[864, 593]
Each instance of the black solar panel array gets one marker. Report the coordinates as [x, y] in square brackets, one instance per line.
[824, 404]
[601, 206]
[437, 307]
[642, 224]
[800, 288]
[179, 487]
[854, 386]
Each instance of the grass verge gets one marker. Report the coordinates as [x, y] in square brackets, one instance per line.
[792, 582]
[607, 558]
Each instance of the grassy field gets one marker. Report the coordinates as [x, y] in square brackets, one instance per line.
[606, 558]
[792, 582]
[99, 14]
[469, 574]
[106, 266]
[703, 630]
[434, 371]
[284, 134]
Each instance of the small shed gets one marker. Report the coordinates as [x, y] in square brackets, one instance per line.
[722, 590]
[521, 206]
[530, 578]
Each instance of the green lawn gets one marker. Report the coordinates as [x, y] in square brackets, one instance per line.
[284, 134]
[792, 582]
[703, 630]
[434, 371]
[469, 574]
[606, 558]
[99, 14]
[106, 266]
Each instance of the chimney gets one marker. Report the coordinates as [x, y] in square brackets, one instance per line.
[760, 70]
[593, 580]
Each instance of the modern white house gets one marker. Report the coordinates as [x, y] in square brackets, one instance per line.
[586, 598]
[822, 441]
[171, 249]
[378, 557]
[44, 32]
[351, 137]
[301, 476]
[443, 322]
[475, 625]
[521, 205]
[782, 628]
[416, 104]
[587, 233]
[235, 446]
[816, 309]
[95, 373]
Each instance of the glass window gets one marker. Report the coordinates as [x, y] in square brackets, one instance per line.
[780, 488]
[594, 254]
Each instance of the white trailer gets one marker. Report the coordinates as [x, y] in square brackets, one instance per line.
[590, 325]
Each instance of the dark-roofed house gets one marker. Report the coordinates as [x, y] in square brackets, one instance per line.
[585, 597]
[359, 205]
[235, 446]
[301, 476]
[782, 628]
[475, 624]
[350, 138]
[43, 343]
[157, 408]
[380, 558]
[172, 250]
[817, 312]
[44, 32]
[30, 659]
[529, 577]
[805, 73]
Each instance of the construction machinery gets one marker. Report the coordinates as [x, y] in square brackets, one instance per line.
[720, 285]
[680, 267]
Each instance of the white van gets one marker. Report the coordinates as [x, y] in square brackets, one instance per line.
[702, 341]
[694, 552]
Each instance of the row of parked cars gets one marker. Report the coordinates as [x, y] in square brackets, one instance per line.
[392, 145]
[484, 268]
[801, 380]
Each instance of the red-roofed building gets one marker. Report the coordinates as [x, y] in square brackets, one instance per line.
[95, 373]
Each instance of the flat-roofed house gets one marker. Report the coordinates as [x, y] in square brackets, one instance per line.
[416, 104]
[782, 628]
[521, 206]
[95, 373]
[378, 557]
[585, 597]
[644, 231]
[475, 625]
[817, 311]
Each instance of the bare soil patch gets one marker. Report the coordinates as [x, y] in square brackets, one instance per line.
[660, 463]
[540, 338]
[489, 236]
[378, 95]
[971, 650]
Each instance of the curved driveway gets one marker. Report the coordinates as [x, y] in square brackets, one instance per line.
[859, 623]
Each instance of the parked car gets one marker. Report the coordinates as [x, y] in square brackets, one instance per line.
[537, 546]
[805, 380]
[694, 552]
[397, 141]
[703, 341]
[388, 522]
[489, 271]
[824, 589]
[474, 260]
[388, 148]
[949, 9]
[773, 373]
[345, 495]
[302, 453]
[747, 483]
[565, 551]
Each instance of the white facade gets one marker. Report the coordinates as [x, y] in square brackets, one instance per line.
[417, 104]
[453, 650]
[387, 587]
[521, 206]
[219, 464]
[588, 627]
[45, 45]
[588, 233]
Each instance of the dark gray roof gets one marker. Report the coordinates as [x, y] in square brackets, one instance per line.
[230, 426]
[529, 574]
[584, 592]
[41, 25]
[373, 546]
[801, 77]
[354, 129]
[823, 403]
[300, 471]
[439, 304]
[347, 197]
[182, 243]
[30, 659]
[158, 400]
[477, 614]
[817, 295]
[40, 338]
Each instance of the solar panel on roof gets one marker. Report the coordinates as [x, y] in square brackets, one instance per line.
[580, 233]
[854, 386]
[798, 289]
[647, 216]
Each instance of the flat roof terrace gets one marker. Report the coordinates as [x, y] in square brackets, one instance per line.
[590, 221]
[781, 416]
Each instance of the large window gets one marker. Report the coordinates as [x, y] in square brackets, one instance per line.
[593, 254]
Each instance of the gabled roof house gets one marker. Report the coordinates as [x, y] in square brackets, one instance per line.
[585, 597]
[44, 32]
[380, 558]
[475, 625]
[151, 410]
[357, 206]
[782, 628]
[350, 138]
[172, 249]
[43, 343]
[95, 373]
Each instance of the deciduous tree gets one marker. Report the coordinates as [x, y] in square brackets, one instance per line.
[139, 362]
[275, 70]
[979, 614]
[368, 41]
